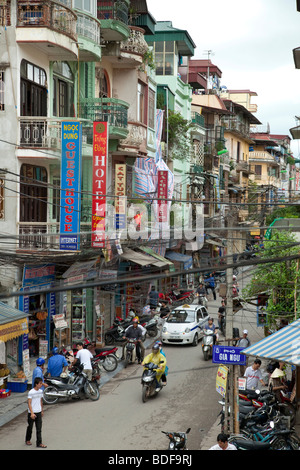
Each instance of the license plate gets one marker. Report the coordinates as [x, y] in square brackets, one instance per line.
[174, 337]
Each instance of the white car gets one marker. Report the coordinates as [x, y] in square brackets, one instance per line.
[183, 325]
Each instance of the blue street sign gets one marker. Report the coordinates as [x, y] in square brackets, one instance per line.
[228, 355]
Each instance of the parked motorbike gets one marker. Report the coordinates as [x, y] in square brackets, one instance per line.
[148, 381]
[178, 296]
[178, 440]
[116, 332]
[207, 344]
[151, 326]
[59, 387]
[107, 358]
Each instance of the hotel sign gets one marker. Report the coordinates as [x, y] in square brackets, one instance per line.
[71, 142]
[100, 154]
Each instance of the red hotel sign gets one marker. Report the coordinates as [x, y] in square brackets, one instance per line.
[100, 153]
[162, 194]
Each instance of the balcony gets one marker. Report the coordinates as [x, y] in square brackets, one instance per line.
[133, 50]
[243, 166]
[110, 110]
[263, 156]
[136, 141]
[49, 26]
[44, 132]
[88, 30]
[113, 16]
[38, 236]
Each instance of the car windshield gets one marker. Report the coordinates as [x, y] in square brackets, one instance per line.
[181, 316]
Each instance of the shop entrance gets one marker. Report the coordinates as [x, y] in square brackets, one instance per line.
[38, 315]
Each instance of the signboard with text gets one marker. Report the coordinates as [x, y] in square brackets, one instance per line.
[228, 355]
[162, 194]
[71, 142]
[100, 154]
[120, 193]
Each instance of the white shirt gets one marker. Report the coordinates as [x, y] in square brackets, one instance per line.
[253, 377]
[229, 447]
[85, 356]
[36, 397]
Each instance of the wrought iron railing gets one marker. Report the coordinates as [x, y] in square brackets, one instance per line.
[113, 10]
[105, 109]
[47, 13]
[88, 27]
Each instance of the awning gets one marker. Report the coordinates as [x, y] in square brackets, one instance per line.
[283, 345]
[140, 258]
[163, 261]
[13, 322]
[181, 258]
[80, 269]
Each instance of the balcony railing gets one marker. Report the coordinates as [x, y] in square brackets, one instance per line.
[198, 119]
[136, 43]
[49, 14]
[105, 109]
[44, 132]
[113, 10]
[88, 28]
[5, 14]
[38, 235]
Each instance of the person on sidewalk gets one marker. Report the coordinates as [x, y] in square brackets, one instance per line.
[35, 413]
[254, 375]
[84, 356]
[222, 443]
[38, 371]
[210, 284]
[56, 364]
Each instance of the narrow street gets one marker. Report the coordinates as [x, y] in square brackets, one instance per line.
[121, 421]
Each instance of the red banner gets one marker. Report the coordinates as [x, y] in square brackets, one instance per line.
[100, 154]
[162, 194]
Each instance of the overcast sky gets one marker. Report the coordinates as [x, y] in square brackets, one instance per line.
[252, 43]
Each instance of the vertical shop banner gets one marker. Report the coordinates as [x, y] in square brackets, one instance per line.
[100, 154]
[120, 193]
[71, 143]
[162, 194]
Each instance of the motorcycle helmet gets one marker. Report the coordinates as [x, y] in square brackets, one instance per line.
[155, 348]
[55, 351]
[40, 361]
[135, 320]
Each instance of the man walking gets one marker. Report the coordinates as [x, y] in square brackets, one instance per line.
[254, 375]
[35, 413]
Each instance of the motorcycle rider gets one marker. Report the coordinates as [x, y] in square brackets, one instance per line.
[164, 375]
[144, 331]
[134, 332]
[56, 364]
[201, 292]
[211, 326]
[160, 360]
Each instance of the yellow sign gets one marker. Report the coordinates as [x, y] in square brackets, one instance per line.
[13, 329]
[221, 380]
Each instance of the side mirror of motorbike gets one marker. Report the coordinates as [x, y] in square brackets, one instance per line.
[161, 362]
[188, 430]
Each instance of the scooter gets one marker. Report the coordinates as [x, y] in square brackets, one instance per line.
[61, 388]
[107, 358]
[149, 381]
[207, 344]
[130, 352]
[115, 333]
[178, 440]
[202, 300]
[151, 326]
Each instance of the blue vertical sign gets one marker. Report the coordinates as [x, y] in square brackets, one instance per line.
[71, 141]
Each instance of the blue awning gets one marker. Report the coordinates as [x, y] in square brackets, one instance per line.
[283, 345]
[185, 259]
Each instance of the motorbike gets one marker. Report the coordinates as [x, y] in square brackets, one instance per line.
[181, 296]
[202, 300]
[148, 381]
[207, 344]
[151, 326]
[116, 332]
[81, 387]
[130, 352]
[178, 440]
[107, 358]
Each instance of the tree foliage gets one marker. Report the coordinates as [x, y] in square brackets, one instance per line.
[278, 279]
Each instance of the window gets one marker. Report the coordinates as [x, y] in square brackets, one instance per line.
[164, 54]
[63, 90]
[33, 198]
[33, 90]
[257, 170]
[56, 199]
[86, 5]
[141, 101]
[2, 104]
[151, 110]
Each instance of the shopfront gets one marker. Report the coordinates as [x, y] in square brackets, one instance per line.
[13, 350]
[40, 307]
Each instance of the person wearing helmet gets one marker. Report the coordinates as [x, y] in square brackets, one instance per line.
[38, 371]
[57, 364]
[164, 375]
[142, 347]
[160, 360]
[134, 332]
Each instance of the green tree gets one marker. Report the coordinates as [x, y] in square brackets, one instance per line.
[278, 279]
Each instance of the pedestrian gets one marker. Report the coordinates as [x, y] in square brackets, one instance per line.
[222, 443]
[221, 315]
[153, 298]
[84, 357]
[35, 413]
[210, 282]
[254, 375]
[56, 364]
[277, 383]
[38, 371]
[244, 341]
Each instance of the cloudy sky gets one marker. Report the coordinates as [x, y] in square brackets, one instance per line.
[252, 44]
